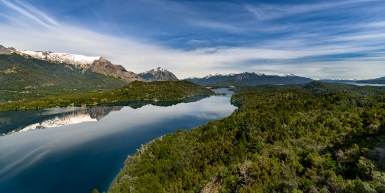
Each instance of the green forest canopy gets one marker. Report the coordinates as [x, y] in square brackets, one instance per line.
[315, 137]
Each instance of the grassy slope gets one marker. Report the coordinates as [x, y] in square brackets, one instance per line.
[309, 139]
[147, 91]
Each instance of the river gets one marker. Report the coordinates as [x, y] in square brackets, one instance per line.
[78, 149]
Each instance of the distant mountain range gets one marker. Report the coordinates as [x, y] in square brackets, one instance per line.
[43, 70]
[373, 81]
[368, 81]
[249, 79]
[48, 70]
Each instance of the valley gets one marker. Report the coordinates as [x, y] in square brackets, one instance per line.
[274, 134]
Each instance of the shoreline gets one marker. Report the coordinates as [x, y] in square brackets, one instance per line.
[114, 181]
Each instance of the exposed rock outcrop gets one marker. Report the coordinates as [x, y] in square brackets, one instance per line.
[213, 186]
[105, 67]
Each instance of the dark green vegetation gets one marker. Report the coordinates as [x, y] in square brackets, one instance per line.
[373, 81]
[135, 104]
[156, 91]
[252, 79]
[135, 91]
[316, 137]
[226, 84]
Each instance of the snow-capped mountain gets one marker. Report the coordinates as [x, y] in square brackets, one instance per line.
[79, 61]
[158, 74]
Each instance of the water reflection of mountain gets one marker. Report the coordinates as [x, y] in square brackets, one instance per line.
[139, 104]
[15, 121]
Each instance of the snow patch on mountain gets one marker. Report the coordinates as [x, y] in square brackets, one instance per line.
[80, 61]
[289, 75]
[154, 71]
[218, 74]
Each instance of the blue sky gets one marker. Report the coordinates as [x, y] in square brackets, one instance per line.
[317, 39]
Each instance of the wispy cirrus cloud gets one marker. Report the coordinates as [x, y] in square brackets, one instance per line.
[268, 11]
[30, 12]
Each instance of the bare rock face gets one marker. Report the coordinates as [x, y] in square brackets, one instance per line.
[105, 67]
[213, 186]
[158, 74]
[4, 50]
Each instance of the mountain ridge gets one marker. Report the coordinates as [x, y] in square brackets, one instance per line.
[96, 64]
[249, 78]
[380, 80]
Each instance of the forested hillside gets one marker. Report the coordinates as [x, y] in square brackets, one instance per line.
[156, 92]
[311, 138]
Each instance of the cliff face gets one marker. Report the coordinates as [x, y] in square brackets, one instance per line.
[105, 67]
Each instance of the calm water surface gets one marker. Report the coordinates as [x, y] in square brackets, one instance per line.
[79, 149]
[362, 84]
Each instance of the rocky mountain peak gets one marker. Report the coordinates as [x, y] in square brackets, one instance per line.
[103, 59]
[105, 67]
[158, 74]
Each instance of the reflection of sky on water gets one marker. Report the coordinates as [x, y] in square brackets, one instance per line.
[78, 158]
